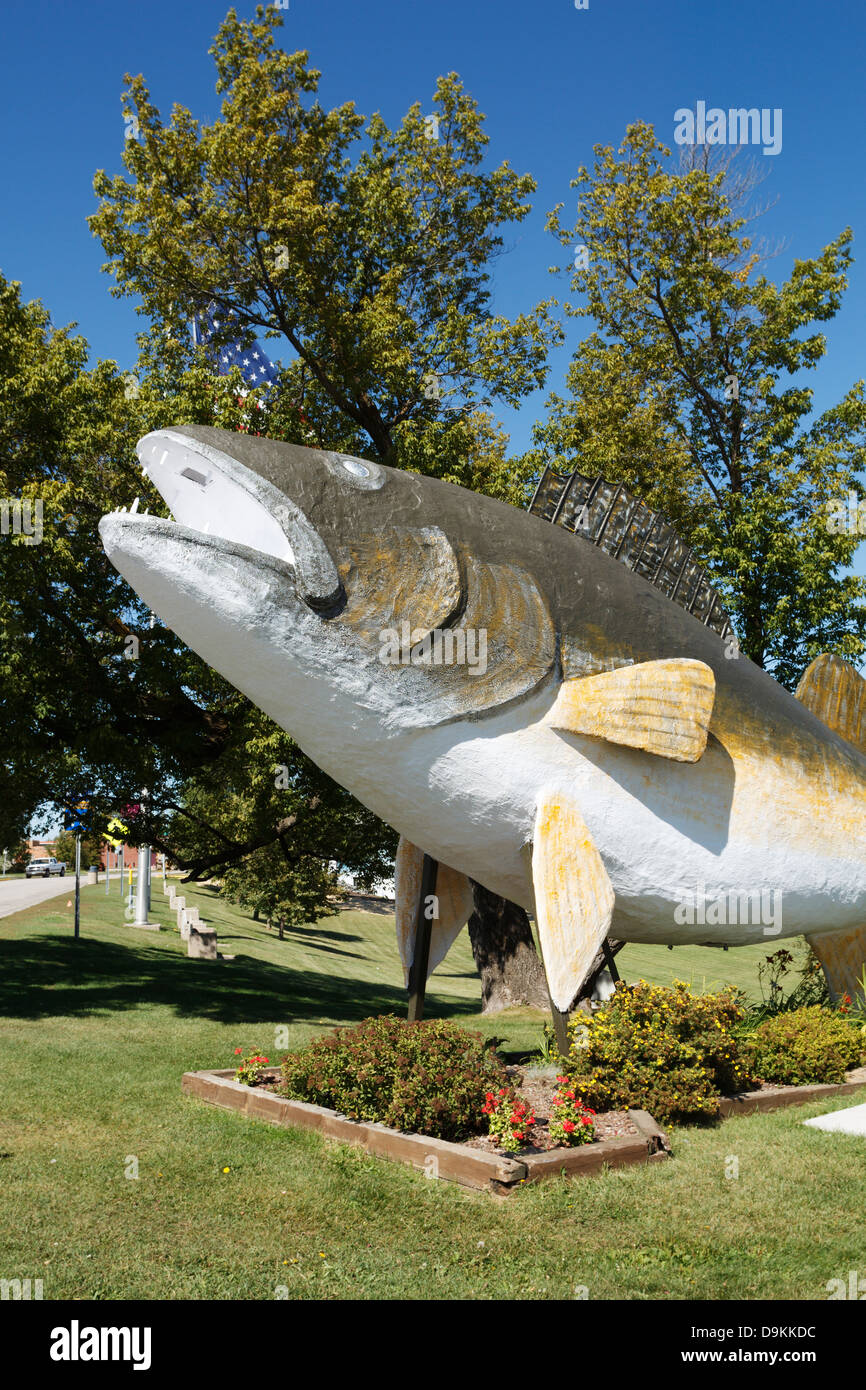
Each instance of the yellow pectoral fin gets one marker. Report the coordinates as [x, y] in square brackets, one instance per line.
[573, 896]
[661, 707]
[451, 909]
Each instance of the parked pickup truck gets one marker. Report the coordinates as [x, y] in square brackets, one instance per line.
[44, 868]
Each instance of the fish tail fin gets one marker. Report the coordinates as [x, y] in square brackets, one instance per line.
[836, 693]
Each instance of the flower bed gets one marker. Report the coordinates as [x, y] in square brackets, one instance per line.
[472, 1164]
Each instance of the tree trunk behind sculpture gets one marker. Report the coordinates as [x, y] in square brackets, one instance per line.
[511, 969]
[508, 963]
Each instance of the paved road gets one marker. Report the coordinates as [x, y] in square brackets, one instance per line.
[19, 891]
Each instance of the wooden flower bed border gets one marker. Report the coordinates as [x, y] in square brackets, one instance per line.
[751, 1102]
[473, 1167]
[436, 1157]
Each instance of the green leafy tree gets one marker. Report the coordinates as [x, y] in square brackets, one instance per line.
[19, 856]
[91, 849]
[273, 826]
[95, 698]
[367, 250]
[691, 392]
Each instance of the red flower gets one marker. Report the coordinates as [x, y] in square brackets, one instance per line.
[568, 1126]
[238, 1051]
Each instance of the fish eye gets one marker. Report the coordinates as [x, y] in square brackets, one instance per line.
[360, 472]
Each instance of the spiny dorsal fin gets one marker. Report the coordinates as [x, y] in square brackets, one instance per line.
[641, 539]
[836, 693]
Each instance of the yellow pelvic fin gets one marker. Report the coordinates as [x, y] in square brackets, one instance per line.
[454, 901]
[661, 707]
[836, 693]
[573, 896]
[843, 960]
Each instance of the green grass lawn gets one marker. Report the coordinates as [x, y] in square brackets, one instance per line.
[94, 1037]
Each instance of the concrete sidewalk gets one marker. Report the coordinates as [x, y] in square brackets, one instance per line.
[850, 1121]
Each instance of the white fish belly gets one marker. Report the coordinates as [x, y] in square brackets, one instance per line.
[704, 852]
[673, 836]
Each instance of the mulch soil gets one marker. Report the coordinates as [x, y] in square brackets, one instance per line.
[537, 1090]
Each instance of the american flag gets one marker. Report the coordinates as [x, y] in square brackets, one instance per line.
[212, 329]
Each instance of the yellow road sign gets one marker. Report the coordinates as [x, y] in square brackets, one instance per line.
[120, 833]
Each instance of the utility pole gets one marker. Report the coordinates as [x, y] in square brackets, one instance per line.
[141, 890]
[142, 880]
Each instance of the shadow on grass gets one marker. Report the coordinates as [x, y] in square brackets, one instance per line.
[54, 975]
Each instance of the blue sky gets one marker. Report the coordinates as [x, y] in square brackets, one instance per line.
[553, 81]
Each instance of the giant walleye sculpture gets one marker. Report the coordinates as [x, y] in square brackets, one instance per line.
[610, 760]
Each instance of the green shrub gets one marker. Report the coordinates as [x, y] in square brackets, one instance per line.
[426, 1078]
[664, 1050]
[804, 1047]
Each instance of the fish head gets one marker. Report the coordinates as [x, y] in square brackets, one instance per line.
[327, 588]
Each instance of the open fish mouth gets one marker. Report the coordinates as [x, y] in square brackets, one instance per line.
[214, 498]
[276, 553]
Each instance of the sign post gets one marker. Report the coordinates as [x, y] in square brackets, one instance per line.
[77, 819]
[116, 829]
[77, 882]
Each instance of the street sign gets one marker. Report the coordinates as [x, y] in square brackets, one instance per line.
[120, 832]
[76, 817]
